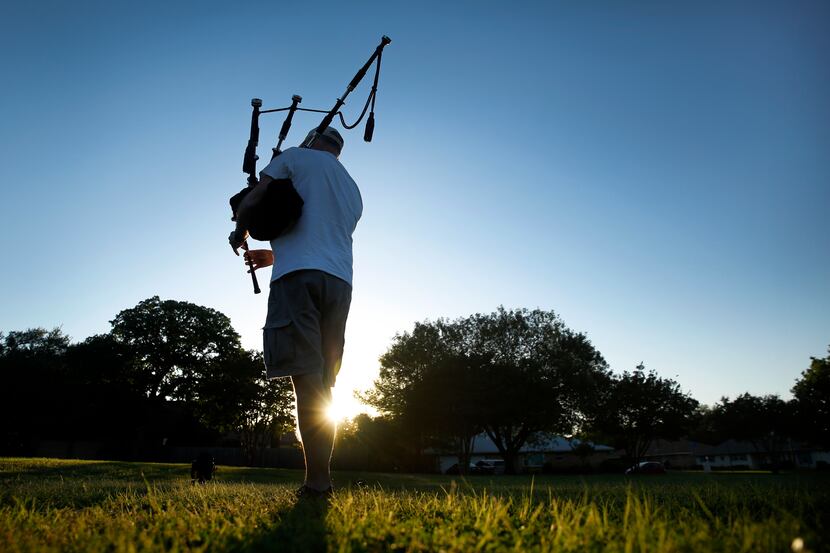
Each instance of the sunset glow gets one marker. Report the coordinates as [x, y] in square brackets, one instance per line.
[340, 410]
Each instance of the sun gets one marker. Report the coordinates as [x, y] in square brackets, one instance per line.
[339, 410]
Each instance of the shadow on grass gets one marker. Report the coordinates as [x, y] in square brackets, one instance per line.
[301, 528]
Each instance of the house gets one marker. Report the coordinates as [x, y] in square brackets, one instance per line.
[555, 452]
[732, 455]
[677, 454]
[814, 459]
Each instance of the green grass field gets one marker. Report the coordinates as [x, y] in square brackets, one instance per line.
[64, 505]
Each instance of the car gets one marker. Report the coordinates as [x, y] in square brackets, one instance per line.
[482, 466]
[646, 467]
[490, 466]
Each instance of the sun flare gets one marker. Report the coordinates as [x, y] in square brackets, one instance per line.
[339, 410]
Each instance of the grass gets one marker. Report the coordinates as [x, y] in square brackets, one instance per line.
[65, 505]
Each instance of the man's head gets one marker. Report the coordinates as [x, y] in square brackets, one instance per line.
[330, 141]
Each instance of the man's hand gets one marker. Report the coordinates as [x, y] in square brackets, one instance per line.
[237, 238]
[260, 258]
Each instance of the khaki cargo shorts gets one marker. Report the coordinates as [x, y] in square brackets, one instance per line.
[305, 327]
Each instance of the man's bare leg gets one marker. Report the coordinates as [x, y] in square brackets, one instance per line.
[316, 429]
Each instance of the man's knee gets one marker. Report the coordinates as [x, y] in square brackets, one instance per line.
[312, 395]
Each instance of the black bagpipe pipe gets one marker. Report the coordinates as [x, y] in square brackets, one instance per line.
[370, 123]
[282, 206]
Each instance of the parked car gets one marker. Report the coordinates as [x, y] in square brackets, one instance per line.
[647, 467]
[489, 466]
[482, 466]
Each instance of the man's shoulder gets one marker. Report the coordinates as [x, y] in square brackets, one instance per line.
[296, 152]
[308, 155]
[291, 152]
[310, 161]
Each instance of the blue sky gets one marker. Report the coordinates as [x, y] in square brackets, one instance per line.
[656, 173]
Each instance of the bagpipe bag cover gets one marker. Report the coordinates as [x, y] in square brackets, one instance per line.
[276, 213]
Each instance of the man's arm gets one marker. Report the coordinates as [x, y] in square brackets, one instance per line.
[243, 213]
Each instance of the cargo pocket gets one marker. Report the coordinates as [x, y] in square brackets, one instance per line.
[278, 343]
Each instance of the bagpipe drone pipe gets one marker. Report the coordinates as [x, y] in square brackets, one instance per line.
[281, 206]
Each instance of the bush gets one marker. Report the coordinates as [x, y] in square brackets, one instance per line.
[615, 466]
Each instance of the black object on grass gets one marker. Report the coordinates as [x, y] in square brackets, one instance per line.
[202, 469]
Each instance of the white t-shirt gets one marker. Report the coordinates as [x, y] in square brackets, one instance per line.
[322, 237]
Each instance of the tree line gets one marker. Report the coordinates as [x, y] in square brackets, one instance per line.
[175, 373]
[519, 374]
[168, 373]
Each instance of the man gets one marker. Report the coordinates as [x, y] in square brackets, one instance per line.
[311, 289]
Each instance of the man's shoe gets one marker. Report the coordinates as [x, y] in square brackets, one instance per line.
[304, 492]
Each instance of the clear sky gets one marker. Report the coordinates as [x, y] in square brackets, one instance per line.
[658, 173]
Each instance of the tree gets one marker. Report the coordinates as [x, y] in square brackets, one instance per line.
[235, 395]
[104, 403]
[637, 407]
[101, 360]
[541, 376]
[703, 426]
[812, 396]
[33, 399]
[764, 421]
[34, 342]
[174, 343]
[420, 376]
[375, 444]
[513, 374]
[404, 364]
[446, 403]
[267, 415]
[168, 369]
[192, 356]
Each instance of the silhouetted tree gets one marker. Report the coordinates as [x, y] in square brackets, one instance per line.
[33, 398]
[812, 396]
[235, 395]
[375, 444]
[513, 374]
[541, 376]
[228, 384]
[101, 360]
[34, 342]
[637, 407]
[406, 361]
[425, 384]
[764, 421]
[168, 369]
[104, 401]
[174, 342]
[446, 403]
[703, 426]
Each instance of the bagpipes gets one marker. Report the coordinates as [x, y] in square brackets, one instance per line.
[281, 205]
